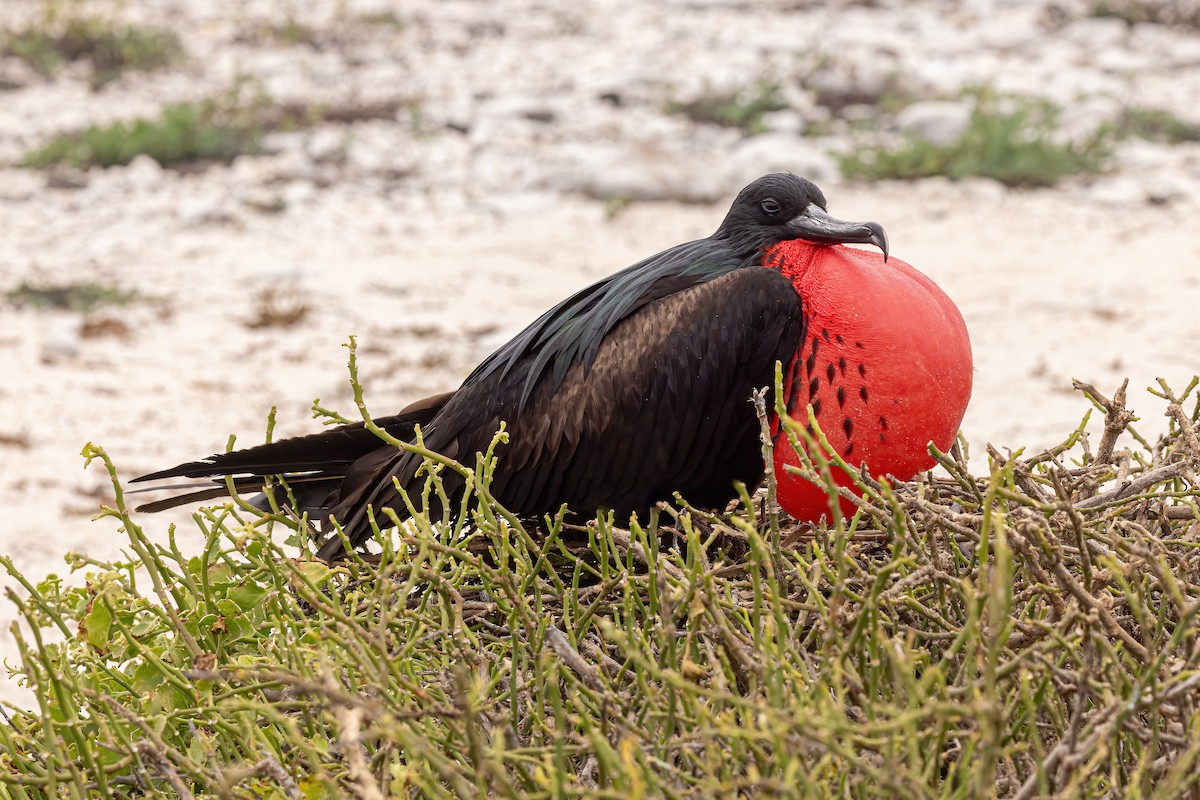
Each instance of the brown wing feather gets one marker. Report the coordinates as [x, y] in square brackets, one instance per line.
[665, 407]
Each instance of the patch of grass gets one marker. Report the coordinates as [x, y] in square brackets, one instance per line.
[278, 308]
[743, 109]
[1029, 632]
[107, 47]
[214, 129]
[294, 32]
[217, 128]
[1010, 140]
[615, 206]
[382, 19]
[1184, 13]
[1157, 125]
[83, 296]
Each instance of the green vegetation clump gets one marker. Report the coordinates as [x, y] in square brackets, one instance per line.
[82, 296]
[1157, 125]
[109, 48]
[1010, 140]
[1184, 13]
[217, 128]
[1031, 632]
[743, 109]
[381, 19]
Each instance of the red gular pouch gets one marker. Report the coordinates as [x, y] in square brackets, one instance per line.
[885, 365]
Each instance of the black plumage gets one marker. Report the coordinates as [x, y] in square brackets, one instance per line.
[632, 389]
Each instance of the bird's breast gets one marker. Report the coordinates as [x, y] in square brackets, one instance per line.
[885, 364]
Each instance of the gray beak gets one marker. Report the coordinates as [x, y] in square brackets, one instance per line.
[816, 225]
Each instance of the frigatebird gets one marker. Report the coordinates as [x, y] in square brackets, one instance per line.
[630, 390]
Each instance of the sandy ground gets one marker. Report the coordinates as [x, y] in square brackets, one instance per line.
[1052, 286]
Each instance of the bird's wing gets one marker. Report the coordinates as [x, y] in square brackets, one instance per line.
[664, 407]
[571, 332]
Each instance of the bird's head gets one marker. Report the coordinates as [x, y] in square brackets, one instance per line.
[782, 206]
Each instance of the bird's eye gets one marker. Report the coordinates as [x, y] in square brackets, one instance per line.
[771, 206]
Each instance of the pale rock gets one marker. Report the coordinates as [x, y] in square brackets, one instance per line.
[864, 82]
[16, 73]
[786, 121]
[293, 165]
[457, 114]
[20, 185]
[262, 200]
[204, 209]
[285, 141]
[327, 145]
[644, 174]
[1079, 123]
[1096, 33]
[1117, 191]
[502, 169]
[520, 205]
[143, 172]
[940, 122]
[1145, 156]
[1169, 188]
[298, 193]
[1012, 30]
[944, 75]
[252, 170]
[535, 109]
[1121, 62]
[67, 178]
[983, 190]
[61, 339]
[781, 152]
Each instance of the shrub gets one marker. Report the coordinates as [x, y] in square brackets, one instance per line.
[1010, 140]
[1029, 632]
[743, 109]
[109, 48]
[220, 127]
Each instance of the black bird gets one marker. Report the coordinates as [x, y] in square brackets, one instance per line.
[626, 392]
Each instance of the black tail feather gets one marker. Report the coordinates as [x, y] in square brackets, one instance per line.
[313, 465]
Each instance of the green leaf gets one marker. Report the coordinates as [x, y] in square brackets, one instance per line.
[98, 624]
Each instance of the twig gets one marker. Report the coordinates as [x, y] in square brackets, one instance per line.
[577, 663]
[1150, 477]
[1116, 417]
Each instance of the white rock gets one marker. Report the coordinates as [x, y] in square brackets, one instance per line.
[61, 339]
[298, 193]
[1011, 30]
[285, 141]
[20, 184]
[983, 189]
[1117, 191]
[327, 145]
[939, 122]
[532, 109]
[1096, 33]
[645, 173]
[205, 209]
[781, 152]
[1169, 188]
[1079, 123]
[143, 172]
[787, 121]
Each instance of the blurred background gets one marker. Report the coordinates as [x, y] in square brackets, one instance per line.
[200, 202]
